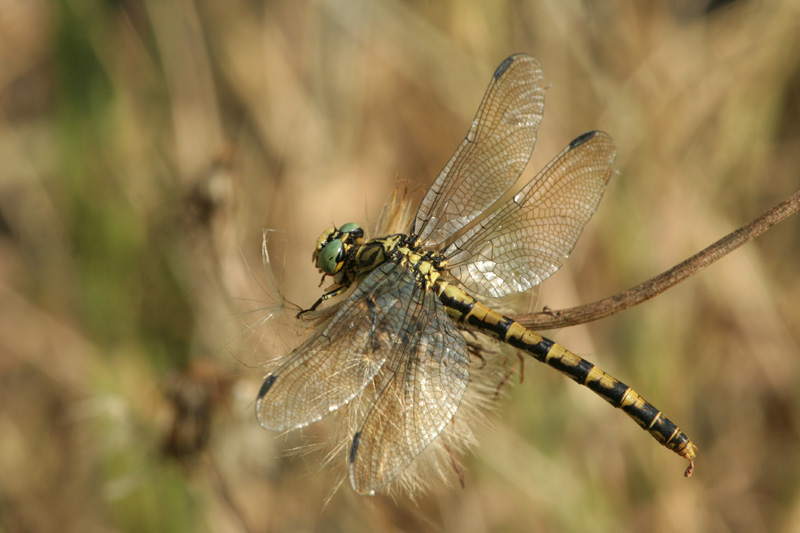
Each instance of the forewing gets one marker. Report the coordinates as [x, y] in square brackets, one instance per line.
[493, 155]
[525, 241]
[420, 391]
[339, 358]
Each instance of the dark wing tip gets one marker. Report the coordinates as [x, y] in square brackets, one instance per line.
[507, 63]
[266, 385]
[504, 66]
[354, 447]
[580, 139]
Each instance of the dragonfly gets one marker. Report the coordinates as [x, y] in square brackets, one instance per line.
[400, 332]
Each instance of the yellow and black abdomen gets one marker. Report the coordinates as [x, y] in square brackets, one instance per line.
[466, 310]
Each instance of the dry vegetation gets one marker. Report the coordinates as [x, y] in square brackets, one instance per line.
[144, 145]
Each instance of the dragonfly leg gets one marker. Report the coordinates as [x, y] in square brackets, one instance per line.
[327, 296]
[510, 372]
[456, 467]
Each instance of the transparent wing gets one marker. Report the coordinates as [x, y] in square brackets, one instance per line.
[417, 397]
[492, 157]
[339, 358]
[525, 241]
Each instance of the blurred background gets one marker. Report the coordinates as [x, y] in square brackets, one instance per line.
[145, 145]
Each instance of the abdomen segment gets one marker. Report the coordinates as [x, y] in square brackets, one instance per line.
[463, 308]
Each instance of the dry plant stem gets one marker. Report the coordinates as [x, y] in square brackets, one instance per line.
[550, 319]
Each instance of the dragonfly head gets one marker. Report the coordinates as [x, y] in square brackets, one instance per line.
[333, 245]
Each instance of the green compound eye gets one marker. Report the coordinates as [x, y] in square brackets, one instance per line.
[351, 227]
[331, 256]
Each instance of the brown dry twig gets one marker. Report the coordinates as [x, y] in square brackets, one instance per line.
[550, 319]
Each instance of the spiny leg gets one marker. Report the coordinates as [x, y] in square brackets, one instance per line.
[456, 467]
[510, 372]
[327, 296]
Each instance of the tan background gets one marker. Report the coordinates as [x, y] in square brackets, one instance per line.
[144, 145]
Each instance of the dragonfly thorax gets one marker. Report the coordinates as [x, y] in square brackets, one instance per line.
[343, 254]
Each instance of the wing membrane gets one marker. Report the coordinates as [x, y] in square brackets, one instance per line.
[492, 156]
[339, 359]
[417, 398]
[525, 241]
